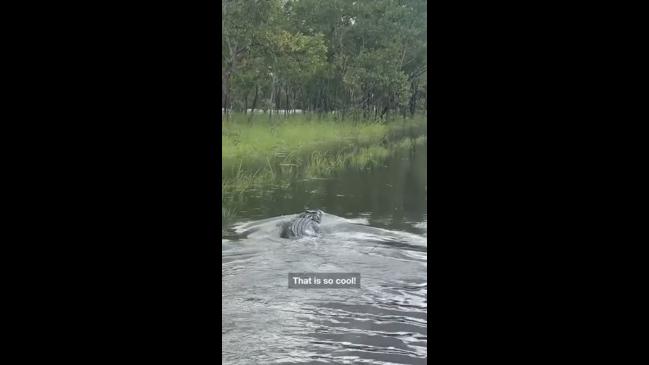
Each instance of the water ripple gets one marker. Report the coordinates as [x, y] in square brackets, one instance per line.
[384, 322]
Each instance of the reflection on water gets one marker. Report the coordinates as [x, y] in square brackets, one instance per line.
[375, 224]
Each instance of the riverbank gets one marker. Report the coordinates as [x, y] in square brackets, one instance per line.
[262, 152]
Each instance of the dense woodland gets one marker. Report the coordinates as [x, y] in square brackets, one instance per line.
[357, 59]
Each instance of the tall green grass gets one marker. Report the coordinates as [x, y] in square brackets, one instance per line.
[263, 152]
[254, 142]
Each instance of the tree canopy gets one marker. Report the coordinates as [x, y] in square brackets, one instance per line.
[355, 58]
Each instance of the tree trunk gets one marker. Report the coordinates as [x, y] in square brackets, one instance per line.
[254, 102]
[286, 106]
[225, 90]
[413, 98]
[245, 103]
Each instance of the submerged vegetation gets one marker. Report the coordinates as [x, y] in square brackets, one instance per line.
[260, 158]
[261, 153]
[260, 139]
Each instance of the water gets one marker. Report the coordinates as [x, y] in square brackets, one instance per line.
[375, 223]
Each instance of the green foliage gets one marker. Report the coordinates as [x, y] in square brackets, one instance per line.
[361, 59]
[262, 154]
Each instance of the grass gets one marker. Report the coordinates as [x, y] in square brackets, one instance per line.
[265, 152]
[254, 143]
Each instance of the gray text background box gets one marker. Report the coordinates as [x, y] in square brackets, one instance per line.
[324, 280]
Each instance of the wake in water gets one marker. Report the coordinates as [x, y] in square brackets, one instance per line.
[383, 322]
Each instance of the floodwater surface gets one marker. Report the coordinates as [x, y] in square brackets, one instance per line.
[375, 224]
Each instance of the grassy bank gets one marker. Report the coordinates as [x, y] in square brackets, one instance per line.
[262, 152]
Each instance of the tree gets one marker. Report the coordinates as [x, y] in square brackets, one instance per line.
[364, 58]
